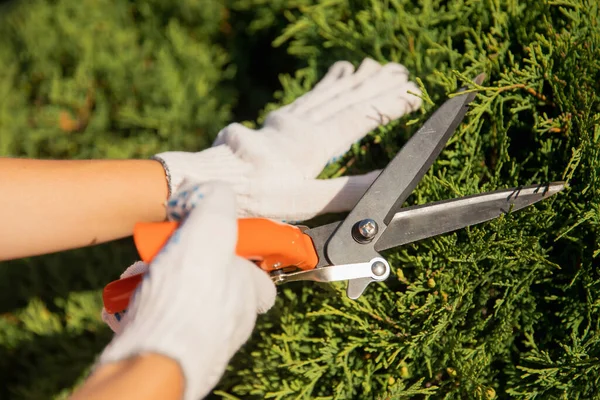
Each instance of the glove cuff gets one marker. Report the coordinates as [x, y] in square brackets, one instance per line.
[217, 163]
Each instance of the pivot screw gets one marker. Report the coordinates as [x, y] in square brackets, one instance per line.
[378, 268]
[365, 230]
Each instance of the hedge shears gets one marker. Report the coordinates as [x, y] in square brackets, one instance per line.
[349, 250]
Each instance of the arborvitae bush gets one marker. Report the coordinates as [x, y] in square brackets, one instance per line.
[87, 79]
[505, 309]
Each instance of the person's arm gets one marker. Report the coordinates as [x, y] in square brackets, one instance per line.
[197, 272]
[53, 205]
[148, 377]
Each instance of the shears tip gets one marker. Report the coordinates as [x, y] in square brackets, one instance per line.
[480, 78]
[556, 187]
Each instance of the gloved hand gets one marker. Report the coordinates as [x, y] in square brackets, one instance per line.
[197, 275]
[273, 169]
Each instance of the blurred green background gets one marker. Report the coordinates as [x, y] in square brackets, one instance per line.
[104, 79]
[505, 309]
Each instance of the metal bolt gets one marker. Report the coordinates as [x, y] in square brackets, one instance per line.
[365, 230]
[378, 268]
[368, 228]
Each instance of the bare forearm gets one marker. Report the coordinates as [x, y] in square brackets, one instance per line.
[148, 377]
[48, 206]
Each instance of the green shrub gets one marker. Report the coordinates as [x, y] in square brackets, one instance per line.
[505, 309]
[85, 79]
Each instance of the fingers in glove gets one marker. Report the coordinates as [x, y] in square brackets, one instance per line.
[341, 194]
[320, 98]
[220, 139]
[223, 133]
[138, 267]
[116, 321]
[311, 197]
[387, 80]
[264, 287]
[336, 72]
[353, 123]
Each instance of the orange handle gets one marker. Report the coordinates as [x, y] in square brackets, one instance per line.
[272, 245]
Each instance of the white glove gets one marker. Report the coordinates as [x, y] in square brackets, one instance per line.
[198, 276]
[273, 169]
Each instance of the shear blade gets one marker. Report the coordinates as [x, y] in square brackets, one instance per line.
[420, 222]
[396, 182]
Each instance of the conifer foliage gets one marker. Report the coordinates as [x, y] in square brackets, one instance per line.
[96, 79]
[506, 309]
